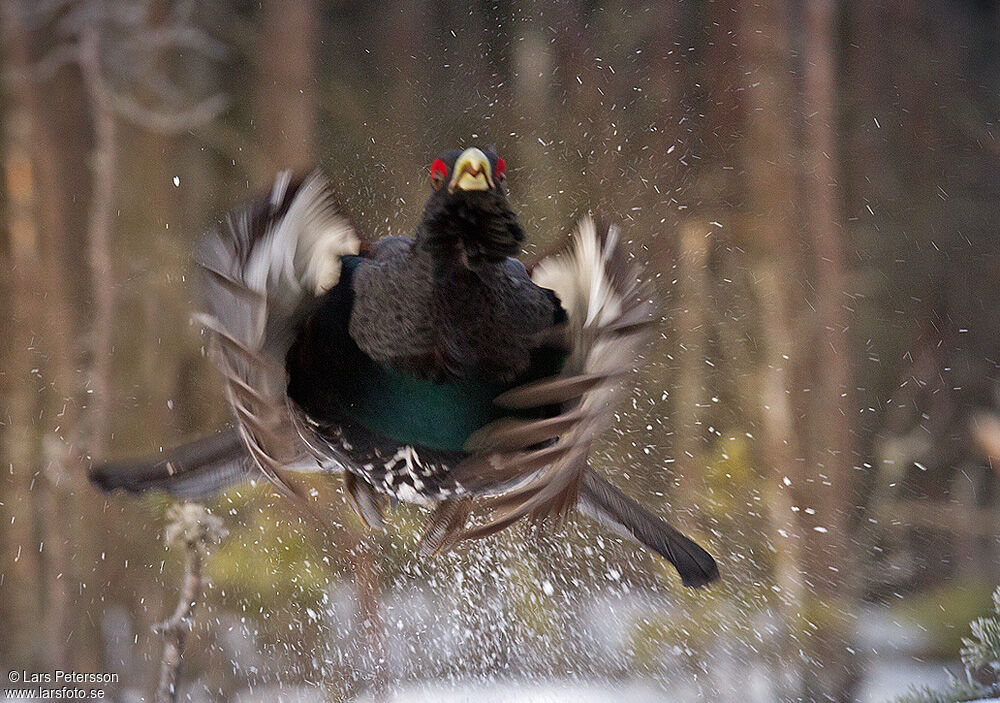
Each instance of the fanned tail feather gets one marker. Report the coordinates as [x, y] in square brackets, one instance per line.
[264, 266]
[539, 467]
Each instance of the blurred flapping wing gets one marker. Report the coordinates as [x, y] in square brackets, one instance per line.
[266, 264]
[540, 463]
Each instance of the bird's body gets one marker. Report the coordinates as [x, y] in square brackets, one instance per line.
[400, 394]
[432, 369]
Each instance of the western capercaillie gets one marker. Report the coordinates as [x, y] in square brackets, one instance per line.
[433, 369]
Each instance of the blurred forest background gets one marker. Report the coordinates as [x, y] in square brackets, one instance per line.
[815, 185]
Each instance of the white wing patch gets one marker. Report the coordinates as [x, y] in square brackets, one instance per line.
[535, 467]
[302, 252]
[579, 276]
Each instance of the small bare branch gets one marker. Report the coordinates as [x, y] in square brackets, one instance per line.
[46, 8]
[179, 37]
[170, 122]
[192, 527]
[49, 65]
[81, 17]
[130, 15]
[161, 87]
[183, 11]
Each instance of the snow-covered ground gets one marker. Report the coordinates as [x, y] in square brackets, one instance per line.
[422, 632]
[885, 681]
[888, 678]
[525, 692]
[893, 669]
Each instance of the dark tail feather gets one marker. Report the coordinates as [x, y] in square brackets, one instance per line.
[612, 508]
[191, 471]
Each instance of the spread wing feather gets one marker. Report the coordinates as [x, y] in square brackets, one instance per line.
[265, 265]
[540, 464]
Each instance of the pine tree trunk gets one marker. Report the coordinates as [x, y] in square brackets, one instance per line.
[104, 183]
[689, 394]
[770, 174]
[21, 567]
[833, 580]
[286, 83]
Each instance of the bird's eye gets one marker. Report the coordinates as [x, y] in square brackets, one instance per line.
[500, 172]
[439, 172]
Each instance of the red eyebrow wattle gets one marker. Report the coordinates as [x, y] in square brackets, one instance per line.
[439, 167]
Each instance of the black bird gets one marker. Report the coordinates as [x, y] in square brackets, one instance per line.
[431, 369]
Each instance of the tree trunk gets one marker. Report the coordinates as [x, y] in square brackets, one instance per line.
[286, 104]
[690, 393]
[808, 434]
[42, 470]
[20, 591]
[832, 577]
[100, 225]
[770, 176]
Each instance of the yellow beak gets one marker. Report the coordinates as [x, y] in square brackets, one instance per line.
[472, 172]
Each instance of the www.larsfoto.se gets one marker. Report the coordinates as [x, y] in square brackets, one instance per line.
[53, 694]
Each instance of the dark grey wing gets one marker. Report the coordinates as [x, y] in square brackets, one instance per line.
[266, 265]
[190, 471]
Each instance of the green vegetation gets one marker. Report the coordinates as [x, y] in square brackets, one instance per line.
[958, 692]
[944, 612]
[981, 651]
[981, 662]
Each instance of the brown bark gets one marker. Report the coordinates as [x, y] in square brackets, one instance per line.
[286, 102]
[100, 225]
[783, 484]
[21, 564]
[831, 457]
[689, 393]
[770, 177]
[807, 434]
[48, 322]
[72, 636]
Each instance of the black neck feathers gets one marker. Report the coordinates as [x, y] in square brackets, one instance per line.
[477, 228]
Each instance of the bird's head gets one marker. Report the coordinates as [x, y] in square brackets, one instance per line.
[467, 215]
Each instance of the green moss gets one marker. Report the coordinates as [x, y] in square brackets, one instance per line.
[532, 608]
[706, 615]
[730, 463]
[730, 477]
[945, 613]
[265, 562]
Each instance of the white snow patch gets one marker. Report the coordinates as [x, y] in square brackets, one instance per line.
[524, 692]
